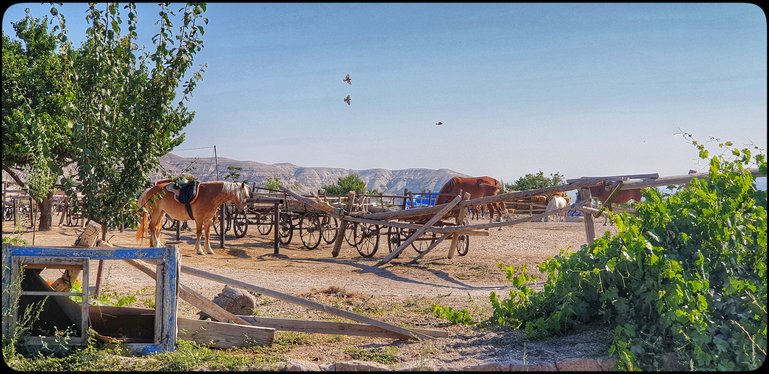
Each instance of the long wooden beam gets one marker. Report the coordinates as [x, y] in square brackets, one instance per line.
[412, 226]
[330, 327]
[676, 179]
[617, 177]
[406, 333]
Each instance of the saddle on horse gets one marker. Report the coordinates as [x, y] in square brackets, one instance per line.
[185, 192]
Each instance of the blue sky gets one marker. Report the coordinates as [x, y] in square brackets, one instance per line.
[579, 89]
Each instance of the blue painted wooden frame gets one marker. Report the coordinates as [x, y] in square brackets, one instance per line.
[167, 283]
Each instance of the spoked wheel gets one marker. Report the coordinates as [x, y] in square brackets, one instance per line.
[420, 244]
[264, 223]
[349, 234]
[463, 245]
[227, 220]
[393, 238]
[328, 226]
[240, 223]
[310, 230]
[169, 223]
[367, 237]
[286, 228]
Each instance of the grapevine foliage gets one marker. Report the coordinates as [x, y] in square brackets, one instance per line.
[682, 283]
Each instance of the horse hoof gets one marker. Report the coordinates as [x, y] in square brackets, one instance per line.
[211, 251]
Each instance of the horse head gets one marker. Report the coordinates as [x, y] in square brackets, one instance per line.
[243, 195]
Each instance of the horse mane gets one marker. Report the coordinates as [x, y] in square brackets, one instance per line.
[235, 188]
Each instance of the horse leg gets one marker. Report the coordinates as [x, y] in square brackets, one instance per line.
[154, 229]
[208, 238]
[198, 230]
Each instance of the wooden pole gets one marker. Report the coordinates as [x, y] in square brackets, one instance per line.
[343, 225]
[445, 209]
[585, 195]
[460, 220]
[276, 228]
[406, 333]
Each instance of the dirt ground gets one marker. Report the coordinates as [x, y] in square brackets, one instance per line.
[395, 293]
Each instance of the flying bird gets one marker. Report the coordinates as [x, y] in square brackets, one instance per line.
[347, 79]
[438, 123]
[347, 99]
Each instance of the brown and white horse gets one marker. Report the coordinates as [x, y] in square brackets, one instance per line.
[156, 200]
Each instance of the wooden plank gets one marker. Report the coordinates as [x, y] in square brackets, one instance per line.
[305, 303]
[224, 335]
[343, 226]
[617, 177]
[195, 299]
[330, 327]
[445, 208]
[676, 180]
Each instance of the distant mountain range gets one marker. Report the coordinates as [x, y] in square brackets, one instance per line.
[305, 179]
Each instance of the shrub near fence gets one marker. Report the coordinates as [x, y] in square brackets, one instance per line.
[683, 284]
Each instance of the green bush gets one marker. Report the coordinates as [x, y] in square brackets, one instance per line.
[682, 283]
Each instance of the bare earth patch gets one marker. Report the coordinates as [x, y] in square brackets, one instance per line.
[394, 293]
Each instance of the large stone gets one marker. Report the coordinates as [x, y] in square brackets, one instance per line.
[356, 365]
[579, 364]
[300, 365]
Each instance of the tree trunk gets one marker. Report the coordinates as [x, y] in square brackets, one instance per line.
[46, 213]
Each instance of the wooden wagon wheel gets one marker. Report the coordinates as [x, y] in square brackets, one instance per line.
[169, 223]
[349, 234]
[240, 223]
[286, 227]
[394, 238]
[227, 219]
[367, 237]
[264, 223]
[463, 245]
[422, 243]
[329, 226]
[310, 230]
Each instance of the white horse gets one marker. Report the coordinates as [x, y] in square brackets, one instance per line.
[556, 202]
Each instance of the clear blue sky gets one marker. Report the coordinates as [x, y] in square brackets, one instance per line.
[580, 89]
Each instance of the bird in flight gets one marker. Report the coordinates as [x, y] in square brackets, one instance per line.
[347, 99]
[438, 123]
[347, 79]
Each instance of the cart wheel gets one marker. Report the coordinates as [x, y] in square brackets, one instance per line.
[310, 230]
[420, 244]
[264, 223]
[328, 226]
[227, 220]
[286, 228]
[349, 234]
[367, 237]
[169, 223]
[240, 223]
[463, 245]
[393, 238]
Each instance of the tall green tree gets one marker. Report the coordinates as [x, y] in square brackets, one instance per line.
[535, 181]
[36, 129]
[344, 185]
[130, 104]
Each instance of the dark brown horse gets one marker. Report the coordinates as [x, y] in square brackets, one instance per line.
[603, 191]
[477, 187]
